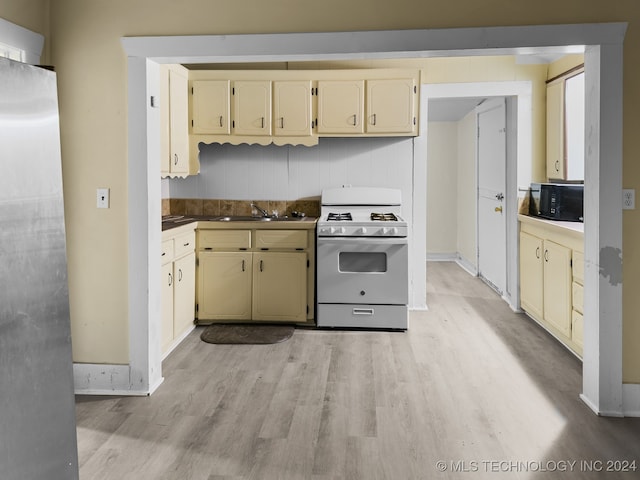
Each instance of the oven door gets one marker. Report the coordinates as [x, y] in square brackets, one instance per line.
[362, 270]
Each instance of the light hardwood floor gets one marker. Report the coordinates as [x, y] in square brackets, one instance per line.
[470, 384]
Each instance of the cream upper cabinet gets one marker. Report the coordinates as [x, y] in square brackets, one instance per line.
[391, 106]
[531, 274]
[341, 106]
[175, 158]
[251, 107]
[210, 107]
[280, 286]
[557, 286]
[555, 130]
[292, 108]
[224, 285]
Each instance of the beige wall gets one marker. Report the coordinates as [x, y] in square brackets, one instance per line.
[91, 65]
[467, 190]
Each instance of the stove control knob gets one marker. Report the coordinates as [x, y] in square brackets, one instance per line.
[362, 230]
[324, 231]
[389, 231]
[340, 230]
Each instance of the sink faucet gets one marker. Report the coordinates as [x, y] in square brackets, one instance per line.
[261, 210]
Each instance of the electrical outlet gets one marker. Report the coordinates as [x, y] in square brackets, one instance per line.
[628, 199]
[103, 198]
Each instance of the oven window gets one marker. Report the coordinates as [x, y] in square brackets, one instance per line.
[363, 262]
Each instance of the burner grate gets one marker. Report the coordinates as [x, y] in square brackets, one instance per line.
[340, 216]
[383, 217]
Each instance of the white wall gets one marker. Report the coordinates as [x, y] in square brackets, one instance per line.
[253, 172]
[466, 187]
[442, 189]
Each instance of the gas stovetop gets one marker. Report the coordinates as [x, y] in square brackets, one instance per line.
[361, 212]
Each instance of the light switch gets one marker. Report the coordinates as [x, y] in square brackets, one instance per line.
[103, 197]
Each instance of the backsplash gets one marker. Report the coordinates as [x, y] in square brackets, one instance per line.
[217, 207]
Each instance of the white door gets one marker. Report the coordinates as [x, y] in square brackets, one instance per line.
[492, 151]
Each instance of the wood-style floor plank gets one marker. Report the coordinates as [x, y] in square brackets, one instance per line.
[471, 384]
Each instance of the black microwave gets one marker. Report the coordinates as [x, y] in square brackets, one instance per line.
[557, 201]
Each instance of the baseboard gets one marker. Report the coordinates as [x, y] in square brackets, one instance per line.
[467, 265]
[441, 257]
[104, 379]
[177, 341]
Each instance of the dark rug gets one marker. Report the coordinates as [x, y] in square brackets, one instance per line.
[248, 334]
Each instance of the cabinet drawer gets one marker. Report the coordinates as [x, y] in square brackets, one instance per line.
[578, 297]
[578, 267]
[577, 328]
[184, 244]
[224, 239]
[290, 239]
[167, 251]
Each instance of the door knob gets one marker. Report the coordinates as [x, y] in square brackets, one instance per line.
[500, 196]
[498, 209]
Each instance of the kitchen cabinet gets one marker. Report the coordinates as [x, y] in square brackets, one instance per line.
[292, 108]
[341, 106]
[224, 285]
[210, 107]
[551, 262]
[391, 106]
[555, 130]
[174, 106]
[251, 107]
[178, 287]
[256, 274]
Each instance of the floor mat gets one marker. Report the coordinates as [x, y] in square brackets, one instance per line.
[250, 334]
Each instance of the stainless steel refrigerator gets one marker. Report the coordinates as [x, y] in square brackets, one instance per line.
[37, 409]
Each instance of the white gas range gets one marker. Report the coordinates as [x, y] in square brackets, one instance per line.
[362, 256]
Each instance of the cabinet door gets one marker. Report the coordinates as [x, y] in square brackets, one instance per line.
[292, 108]
[252, 107]
[167, 306]
[224, 285]
[280, 286]
[557, 286]
[531, 274]
[390, 106]
[210, 107]
[341, 106]
[178, 122]
[555, 130]
[184, 294]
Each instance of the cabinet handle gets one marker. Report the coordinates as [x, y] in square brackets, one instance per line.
[220, 120]
[363, 311]
[170, 279]
[179, 274]
[557, 165]
[260, 265]
[374, 119]
[175, 159]
[546, 255]
[262, 120]
[537, 252]
[186, 244]
[281, 122]
[243, 265]
[355, 119]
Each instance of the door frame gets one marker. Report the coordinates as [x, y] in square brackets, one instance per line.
[519, 148]
[602, 363]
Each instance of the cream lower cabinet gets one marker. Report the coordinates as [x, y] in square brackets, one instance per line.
[254, 275]
[550, 259]
[280, 286]
[224, 285]
[178, 288]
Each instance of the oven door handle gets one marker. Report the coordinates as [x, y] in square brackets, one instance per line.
[363, 311]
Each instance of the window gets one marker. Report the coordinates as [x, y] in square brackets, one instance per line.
[18, 43]
[11, 52]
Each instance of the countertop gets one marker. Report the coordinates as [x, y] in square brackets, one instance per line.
[176, 223]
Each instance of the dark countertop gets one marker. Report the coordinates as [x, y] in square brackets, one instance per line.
[170, 222]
